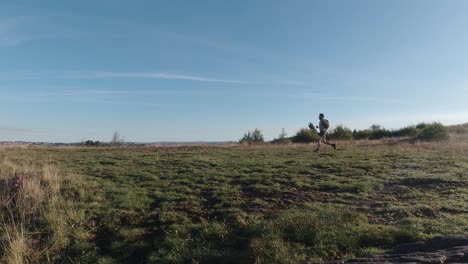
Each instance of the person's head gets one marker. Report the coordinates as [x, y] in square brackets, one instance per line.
[321, 116]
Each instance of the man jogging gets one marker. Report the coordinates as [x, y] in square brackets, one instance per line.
[323, 127]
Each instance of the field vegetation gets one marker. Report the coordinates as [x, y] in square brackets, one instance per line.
[235, 204]
[40, 217]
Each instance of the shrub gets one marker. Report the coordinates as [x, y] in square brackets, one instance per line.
[376, 127]
[281, 141]
[433, 132]
[341, 132]
[92, 143]
[305, 135]
[421, 125]
[422, 131]
[254, 137]
[409, 131]
[380, 133]
[361, 134]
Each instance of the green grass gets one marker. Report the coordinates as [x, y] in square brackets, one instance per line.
[261, 204]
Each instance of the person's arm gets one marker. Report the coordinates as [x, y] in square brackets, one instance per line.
[311, 126]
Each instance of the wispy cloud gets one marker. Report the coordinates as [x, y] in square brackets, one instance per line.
[17, 130]
[52, 95]
[354, 98]
[204, 41]
[316, 94]
[114, 92]
[14, 30]
[154, 75]
[141, 75]
[119, 75]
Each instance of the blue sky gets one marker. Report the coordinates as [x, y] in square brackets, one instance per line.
[211, 70]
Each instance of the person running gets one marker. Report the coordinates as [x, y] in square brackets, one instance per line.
[323, 128]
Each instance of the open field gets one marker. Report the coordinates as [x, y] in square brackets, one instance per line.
[259, 204]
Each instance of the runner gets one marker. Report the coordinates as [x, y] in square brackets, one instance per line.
[323, 128]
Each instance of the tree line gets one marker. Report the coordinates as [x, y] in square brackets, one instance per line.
[424, 132]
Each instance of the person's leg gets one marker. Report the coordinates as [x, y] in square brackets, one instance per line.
[318, 144]
[328, 143]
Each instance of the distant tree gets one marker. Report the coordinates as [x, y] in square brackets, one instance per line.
[282, 138]
[255, 137]
[247, 138]
[116, 139]
[283, 134]
[375, 127]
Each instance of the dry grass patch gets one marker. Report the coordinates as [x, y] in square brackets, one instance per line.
[37, 212]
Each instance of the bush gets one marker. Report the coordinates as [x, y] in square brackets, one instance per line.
[91, 143]
[281, 141]
[421, 125]
[341, 132]
[255, 137]
[375, 127]
[380, 133]
[361, 134]
[305, 135]
[422, 131]
[409, 131]
[433, 132]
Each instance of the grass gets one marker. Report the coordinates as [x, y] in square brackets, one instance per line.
[258, 204]
[38, 213]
